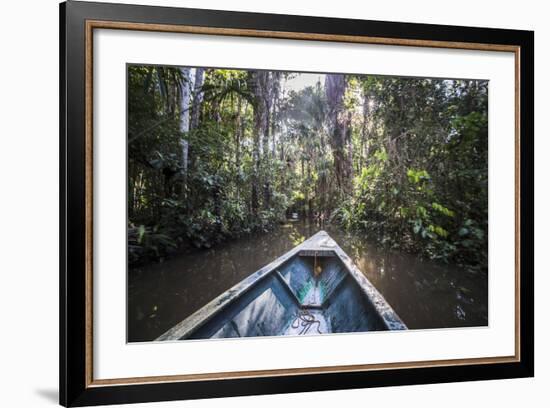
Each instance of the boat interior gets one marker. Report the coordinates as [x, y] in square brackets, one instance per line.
[311, 293]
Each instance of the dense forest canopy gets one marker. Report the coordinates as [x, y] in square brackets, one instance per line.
[216, 153]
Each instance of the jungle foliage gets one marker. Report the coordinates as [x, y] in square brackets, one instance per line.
[215, 153]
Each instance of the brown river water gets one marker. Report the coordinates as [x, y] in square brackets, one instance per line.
[426, 295]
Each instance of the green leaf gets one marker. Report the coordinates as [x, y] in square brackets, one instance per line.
[443, 210]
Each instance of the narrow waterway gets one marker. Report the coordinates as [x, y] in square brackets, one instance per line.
[425, 294]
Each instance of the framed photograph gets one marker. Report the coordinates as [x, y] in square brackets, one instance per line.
[255, 203]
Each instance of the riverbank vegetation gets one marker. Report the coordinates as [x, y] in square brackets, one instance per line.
[214, 154]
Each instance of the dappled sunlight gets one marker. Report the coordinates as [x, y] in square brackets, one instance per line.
[228, 169]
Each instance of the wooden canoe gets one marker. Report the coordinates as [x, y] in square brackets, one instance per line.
[313, 289]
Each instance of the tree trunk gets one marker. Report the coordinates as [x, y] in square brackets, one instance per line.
[198, 96]
[364, 143]
[309, 198]
[303, 167]
[349, 141]
[238, 135]
[275, 98]
[268, 97]
[185, 96]
[335, 86]
[256, 82]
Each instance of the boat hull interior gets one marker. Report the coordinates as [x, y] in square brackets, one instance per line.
[311, 293]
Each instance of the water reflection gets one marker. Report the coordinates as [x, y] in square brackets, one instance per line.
[424, 294]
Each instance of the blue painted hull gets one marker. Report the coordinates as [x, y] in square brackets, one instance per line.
[314, 289]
